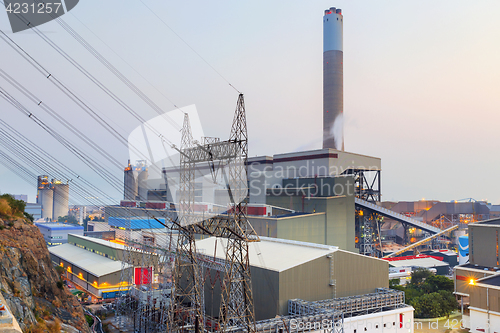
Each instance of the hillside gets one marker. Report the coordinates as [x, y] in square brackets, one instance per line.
[28, 280]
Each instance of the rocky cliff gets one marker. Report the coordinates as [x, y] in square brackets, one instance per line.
[28, 281]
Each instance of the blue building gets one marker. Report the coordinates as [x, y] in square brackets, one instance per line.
[125, 223]
[57, 233]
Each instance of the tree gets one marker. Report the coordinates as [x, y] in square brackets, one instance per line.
[393, 283]
[435, 283]
[438, 304]
[29, 217]
[67, 219]
[11, 207]
[419, 275]
[430, 295]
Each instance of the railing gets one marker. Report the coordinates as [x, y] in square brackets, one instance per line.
[383, 298]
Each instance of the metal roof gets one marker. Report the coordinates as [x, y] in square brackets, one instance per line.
[93, 263]
[490, 280]
[101, 242]
[58, 226]
[270, 253]
[419, 262]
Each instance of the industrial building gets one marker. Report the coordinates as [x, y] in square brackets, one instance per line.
[321, 183]
[296, 284]
[57, 233]
[434, 264]
[282, 270]
[53, 196]
[477, 282]
[433, 211]
[34, 209]
[91, 264]
[135, 181]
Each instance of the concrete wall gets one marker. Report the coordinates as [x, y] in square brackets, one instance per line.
[341, 222]
[356, 274]
[333, 196]
[264, 226]
[305, 228]
[338, 227]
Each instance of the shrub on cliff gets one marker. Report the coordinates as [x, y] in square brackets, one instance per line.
[10, 207]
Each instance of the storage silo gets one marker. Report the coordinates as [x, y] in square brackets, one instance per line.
[129, 183]
[142, 181]
[333, 79]
[43, 182]
[61, 199]
[46, 198]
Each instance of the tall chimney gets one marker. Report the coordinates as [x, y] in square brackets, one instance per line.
[333, 79]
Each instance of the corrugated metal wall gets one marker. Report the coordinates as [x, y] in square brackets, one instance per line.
[357, 274]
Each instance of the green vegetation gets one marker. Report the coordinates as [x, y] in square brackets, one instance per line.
[60, 284]
[29, 217]
[59, 270]
[11, 208]
[67, 219]
[90, 320]
[430, 295]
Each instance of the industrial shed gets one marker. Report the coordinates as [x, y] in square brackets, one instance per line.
[282, 270]
[91, 271]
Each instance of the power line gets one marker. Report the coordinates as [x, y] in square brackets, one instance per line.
[190, 47]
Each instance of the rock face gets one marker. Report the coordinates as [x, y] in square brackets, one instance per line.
[28, 280]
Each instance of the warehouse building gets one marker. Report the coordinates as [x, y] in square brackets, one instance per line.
[57, 233]
[448, 256]
[485, 305]
[476, 282]
[95, 265]
[91, 264]
[434, 264]
[283, 269]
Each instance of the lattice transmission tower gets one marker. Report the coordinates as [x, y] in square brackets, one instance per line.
[227, 161]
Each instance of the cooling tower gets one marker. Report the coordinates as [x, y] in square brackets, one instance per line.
[333, 79]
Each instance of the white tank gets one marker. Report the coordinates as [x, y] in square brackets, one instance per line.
[142, 182]
[61, 200]
[46, 198]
